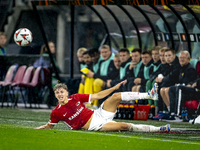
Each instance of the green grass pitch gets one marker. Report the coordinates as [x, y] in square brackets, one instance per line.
[17, 133]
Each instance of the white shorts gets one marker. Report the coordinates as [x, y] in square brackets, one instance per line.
[100, 118]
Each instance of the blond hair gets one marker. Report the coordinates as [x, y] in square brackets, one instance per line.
[105, 47]
[81, 50]
[163, 49]
[59, 86]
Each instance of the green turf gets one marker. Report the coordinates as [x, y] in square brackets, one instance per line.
[17, 132]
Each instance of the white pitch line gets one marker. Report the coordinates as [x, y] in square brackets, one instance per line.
[132, 137]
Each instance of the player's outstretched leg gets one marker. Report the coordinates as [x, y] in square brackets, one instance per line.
[112, 102]
[149, 128]
[154, 92]
[127, 96]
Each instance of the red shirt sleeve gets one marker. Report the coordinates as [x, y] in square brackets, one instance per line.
[84, 98]
[53, 120]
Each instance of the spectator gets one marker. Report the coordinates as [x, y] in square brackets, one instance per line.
[3, 40]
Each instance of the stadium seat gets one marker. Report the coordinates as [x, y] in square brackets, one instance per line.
[26, 79]
[8, 78]
[191, 106]
[17, 79]
[31, 87]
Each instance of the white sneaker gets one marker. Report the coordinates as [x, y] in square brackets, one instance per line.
[197, 120]
[154, 92]
[166, 128]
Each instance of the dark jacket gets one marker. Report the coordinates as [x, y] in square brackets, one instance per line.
[132, 76]
[128, 73]
[163, 69]
[113, 73]
[141, 73]
[172, 77]
[187, 74]
[111, 67]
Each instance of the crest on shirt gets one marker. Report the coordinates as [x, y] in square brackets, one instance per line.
[77, 103]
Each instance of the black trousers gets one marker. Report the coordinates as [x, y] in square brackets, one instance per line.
[179, 94]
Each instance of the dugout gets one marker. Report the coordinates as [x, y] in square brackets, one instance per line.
[72, 24]
[91, 23]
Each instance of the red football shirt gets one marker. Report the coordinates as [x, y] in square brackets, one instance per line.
[73, 113]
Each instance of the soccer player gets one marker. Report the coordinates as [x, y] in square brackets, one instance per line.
[73, 112]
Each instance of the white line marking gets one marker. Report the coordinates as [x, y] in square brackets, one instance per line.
[132, 137]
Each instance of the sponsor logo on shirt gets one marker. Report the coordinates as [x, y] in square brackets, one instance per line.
[77, 103]
[76, 114]
[65, 114]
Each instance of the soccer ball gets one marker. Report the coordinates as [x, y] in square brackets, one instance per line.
[23, 37]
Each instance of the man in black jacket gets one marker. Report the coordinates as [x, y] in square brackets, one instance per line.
[186, 74]
[166, 81]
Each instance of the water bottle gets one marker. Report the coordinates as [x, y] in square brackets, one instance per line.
[183, 113]
[186, 115]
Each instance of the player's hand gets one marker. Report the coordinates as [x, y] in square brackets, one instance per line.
[158, 80]
[118, 85]
[194, 84]
[124, 82]
[90, 74]
[108, 83]
[132, 65]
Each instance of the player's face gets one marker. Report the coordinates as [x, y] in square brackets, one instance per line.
[105, 53]
[61, 94]
[183, 59]
[162, 57]
[136, 57]
[95, 57]
[87, 59]
[146, 58]
[155, 56]
[80, 57]
[117, 62]
[124, 56]
[169, 57]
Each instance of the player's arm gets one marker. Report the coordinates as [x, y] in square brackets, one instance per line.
[104, 93]
[47, 126]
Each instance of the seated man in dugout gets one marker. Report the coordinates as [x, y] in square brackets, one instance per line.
[124, 71]
[85, 87]
[105, 66]
[135, 67]
[143, 75]
[80, 52]
[187, 74]
[168, 80]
